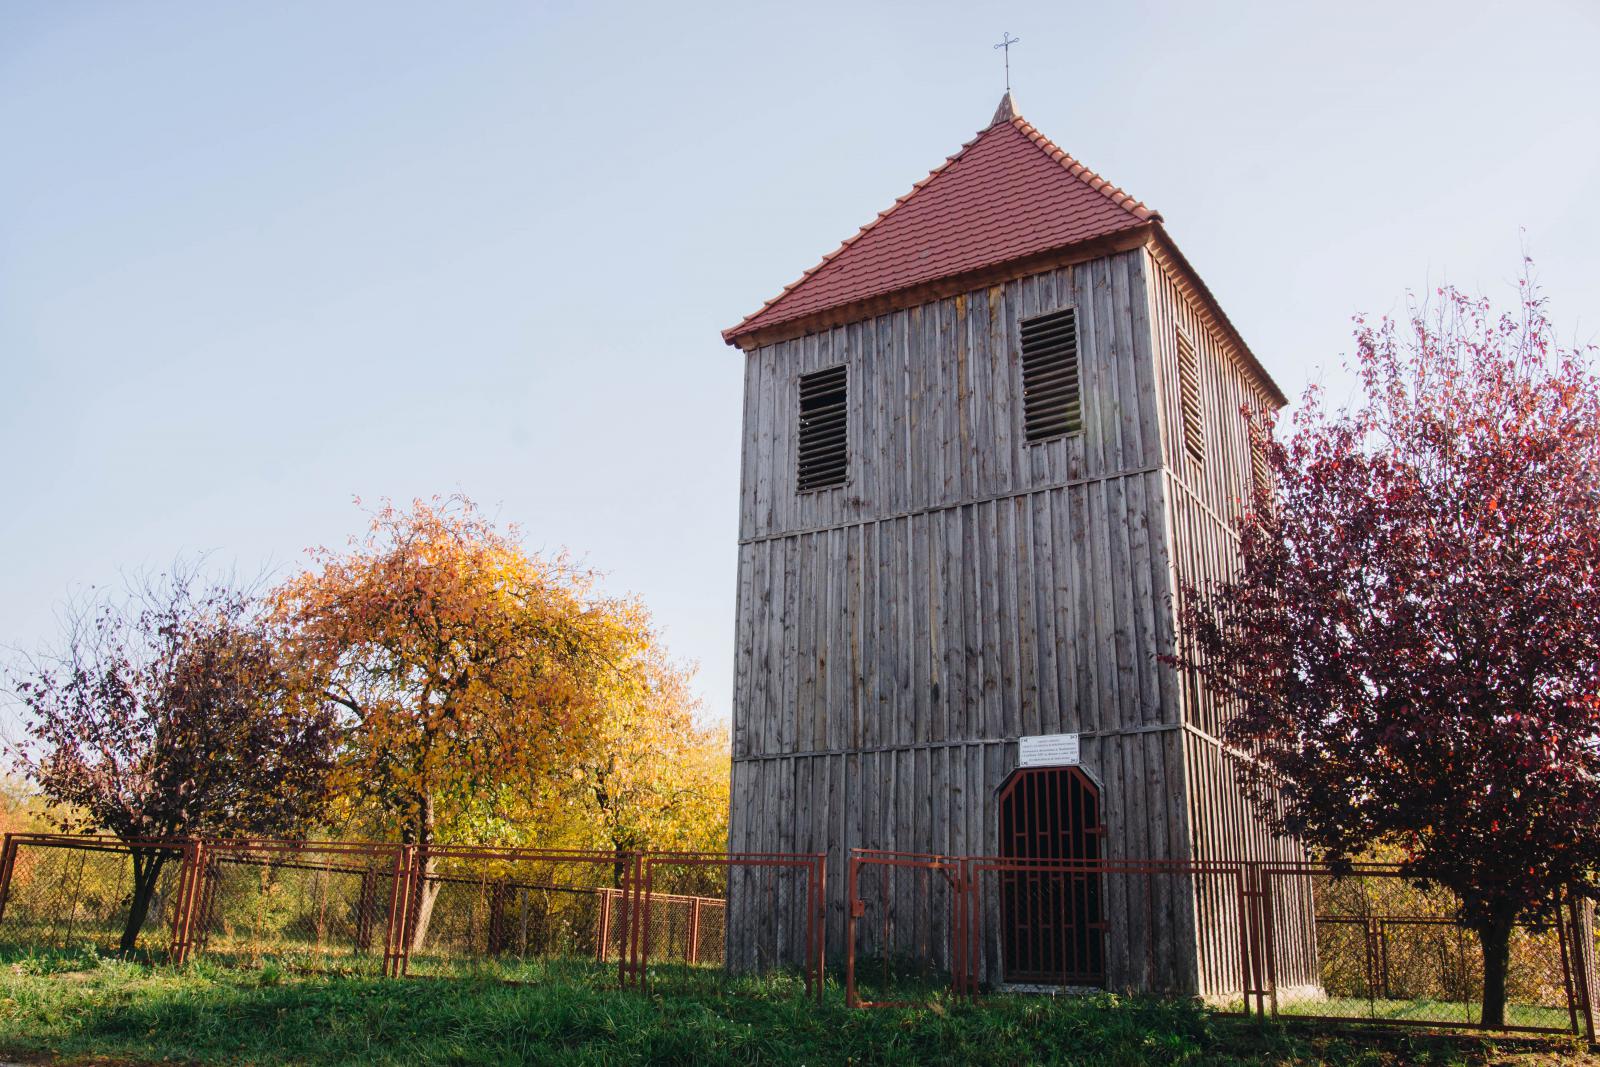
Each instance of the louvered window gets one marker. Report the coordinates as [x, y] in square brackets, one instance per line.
[1051, 401]
[1260, 469]
[1194, 434]
[824, 454]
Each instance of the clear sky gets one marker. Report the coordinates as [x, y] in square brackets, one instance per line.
[257, 259]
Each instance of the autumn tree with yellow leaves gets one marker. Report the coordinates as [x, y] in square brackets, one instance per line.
[649, 778]
[480, 685]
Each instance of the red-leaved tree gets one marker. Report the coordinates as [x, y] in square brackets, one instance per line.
[172, 713]
[1411, 647]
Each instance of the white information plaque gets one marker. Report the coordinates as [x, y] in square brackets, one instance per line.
[1048, 750]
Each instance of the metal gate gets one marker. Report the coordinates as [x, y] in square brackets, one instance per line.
[1052, 920]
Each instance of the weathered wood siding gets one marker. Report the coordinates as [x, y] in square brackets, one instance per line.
[896, 635]
[1205, 499]
[964, 588]
[935, 402]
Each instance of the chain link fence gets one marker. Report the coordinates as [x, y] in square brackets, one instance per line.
[321, 906]
[520, 913]
[69, 893]
[923, 924]
[1305, 941]
[602, 918]
[1390, 950]
[715, 922]
[905, 941]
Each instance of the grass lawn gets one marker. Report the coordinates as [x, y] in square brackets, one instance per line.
[1435, 1011]
[81, 1008]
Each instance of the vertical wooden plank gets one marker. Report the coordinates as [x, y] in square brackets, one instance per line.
[1119, 305]
[744, 651]
[749, 452]
[1121, 595]
[1025, 627]
[788, 639]
[1047, 676]
[1009, 475]
[977, 399]
[983, 614]
[940, 362]
[1067, 593]
[855, 623]
[763, 362]
[803, 621]
[1091, 369]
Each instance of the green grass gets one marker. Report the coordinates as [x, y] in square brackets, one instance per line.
[83, 1007]
[1424, 1011]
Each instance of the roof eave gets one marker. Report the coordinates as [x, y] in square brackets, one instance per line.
[1162, 246]
[747, 336]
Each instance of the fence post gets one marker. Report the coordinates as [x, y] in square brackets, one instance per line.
[1374, 972]
[628, 935]
[396, 943]
[957, 946]
[694, 930]
[644, 897]
[1383, 958]
[604, 934]
[1252, 951]
[190, 877]
[8, 858]
[1581, 914]
[821, 919]
[973, 925]
[622, 920]
[1269, 938]
[639, 920]
[852, 911]
[814, 907]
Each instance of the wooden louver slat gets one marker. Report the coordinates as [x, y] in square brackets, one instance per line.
[1260, 469]
[1194, 440]
[1052, 404]
[824, 452]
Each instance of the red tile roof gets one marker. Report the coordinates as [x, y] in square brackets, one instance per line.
[1008, 194]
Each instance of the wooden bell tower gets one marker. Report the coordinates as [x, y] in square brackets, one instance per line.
[984, 438]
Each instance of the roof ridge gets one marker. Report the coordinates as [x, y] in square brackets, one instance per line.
[1112, 192]
[728, 334]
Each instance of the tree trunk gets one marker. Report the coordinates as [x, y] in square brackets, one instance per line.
[619, 867]
[427, 894]
[426, 891]
[1495, 937]
[147, 865]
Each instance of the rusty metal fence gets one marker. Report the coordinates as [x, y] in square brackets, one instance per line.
[319, 905]
[521, 914]
[920, 924]
[62, 891]
[1291, 941]
[1307, 941]
[1388, 950]
[767, 917]
[905, 938]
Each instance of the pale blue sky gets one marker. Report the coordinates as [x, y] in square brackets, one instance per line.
[256, 259]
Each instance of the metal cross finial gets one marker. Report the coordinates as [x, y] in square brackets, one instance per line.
[1006, 41]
